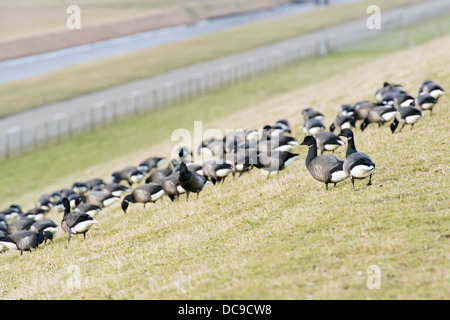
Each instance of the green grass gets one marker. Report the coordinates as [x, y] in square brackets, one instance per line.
[285, 238]
[92, 76]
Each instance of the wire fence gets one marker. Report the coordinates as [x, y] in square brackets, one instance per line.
[18, 140]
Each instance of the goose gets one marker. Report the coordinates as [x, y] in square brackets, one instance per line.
[313, 126]
[157, 174]
[80, 188]
[75, 222]
[283, 139]
[346, 110]
[275, 161]
[425, 102]
[251, 135]
[379, 115]
[184, 153]
[233, 139]
[55, 198]
[283, 125]
[310, 113]
[362, 109]
[36, 214]
[143, 194]
[191, 181]
[74, 198]
[240, 161]
[272, 131]
[94, 182]
[3, 223]
[267, 146]
[23, 223]
[403, 100]
[90, 209]
[343, 122]
[130, 174]
[386, 88]
[12, 213]
[150, 163]
[390, 95]
[212, 147]
[191, 166]
[23, 240]
[101, 199]
[47, 227]
[116, 189]
[328, 141]
[406, 115]
[325, 168]
[432, 88]
[217, 170]
[44, 202]
[171, 186]
[357, 165]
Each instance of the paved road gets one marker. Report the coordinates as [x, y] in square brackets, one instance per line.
[31, 124]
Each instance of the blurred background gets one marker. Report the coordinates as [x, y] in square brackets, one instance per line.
[129, 57]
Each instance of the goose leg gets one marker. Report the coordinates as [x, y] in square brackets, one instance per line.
[326, 186]
[401, 128]
[335, 185]
[370, 180]
[353, 182]
[84, 236]
[268, 176]
[412, 125]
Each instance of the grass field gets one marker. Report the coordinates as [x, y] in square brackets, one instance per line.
[92, 76]
[285, 238]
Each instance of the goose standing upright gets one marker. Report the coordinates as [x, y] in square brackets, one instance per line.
[357, 165]
[325, 168]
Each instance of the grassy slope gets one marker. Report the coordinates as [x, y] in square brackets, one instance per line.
[92, 76]
[282, 238]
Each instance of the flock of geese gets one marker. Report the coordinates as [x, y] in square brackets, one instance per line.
[237, 152]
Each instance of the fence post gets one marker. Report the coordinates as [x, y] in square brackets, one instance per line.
[135, 97]
[58, 119]
[7, 151]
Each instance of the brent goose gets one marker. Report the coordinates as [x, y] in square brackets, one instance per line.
[404, 116]
[275, 161]
[143, 194]
[357, 165]
[325, 168]
[75, 222]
